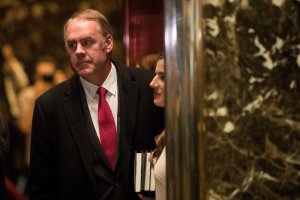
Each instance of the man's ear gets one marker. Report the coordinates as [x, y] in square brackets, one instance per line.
[109, 43]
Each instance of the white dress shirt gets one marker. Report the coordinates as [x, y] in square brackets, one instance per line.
[160, 176]
[92, 97]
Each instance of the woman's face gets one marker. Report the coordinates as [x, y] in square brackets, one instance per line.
[158, 83]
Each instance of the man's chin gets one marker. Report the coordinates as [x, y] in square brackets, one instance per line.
[84, 71]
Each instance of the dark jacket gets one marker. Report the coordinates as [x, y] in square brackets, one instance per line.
[62, 148]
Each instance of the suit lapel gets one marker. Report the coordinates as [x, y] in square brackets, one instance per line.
[128, 102]
[74, 113]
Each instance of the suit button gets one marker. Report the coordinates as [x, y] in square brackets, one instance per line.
[117, 185]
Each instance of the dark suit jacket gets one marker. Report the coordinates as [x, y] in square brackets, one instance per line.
[62, 146]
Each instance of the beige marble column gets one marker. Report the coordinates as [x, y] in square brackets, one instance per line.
[184, 104]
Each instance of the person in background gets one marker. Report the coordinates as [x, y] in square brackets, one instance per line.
[147, 61]
[86, 129]
[44, 79]
[13, 79]
[4, 146]
[8, 190]
[63, 72]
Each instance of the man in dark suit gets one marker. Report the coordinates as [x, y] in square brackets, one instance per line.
[68, 159]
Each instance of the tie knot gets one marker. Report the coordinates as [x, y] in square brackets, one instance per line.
[101, 91]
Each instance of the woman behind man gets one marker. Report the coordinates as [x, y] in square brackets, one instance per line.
[158, 159]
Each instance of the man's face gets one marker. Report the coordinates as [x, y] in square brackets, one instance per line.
[87, 48]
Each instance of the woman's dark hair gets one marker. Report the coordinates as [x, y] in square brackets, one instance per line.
[160, 144]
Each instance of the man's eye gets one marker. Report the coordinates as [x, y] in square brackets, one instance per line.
[87, 43]
[72, 45]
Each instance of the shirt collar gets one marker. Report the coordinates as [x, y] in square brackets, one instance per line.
[110, 84]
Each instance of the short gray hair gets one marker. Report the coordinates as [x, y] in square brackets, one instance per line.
[91, 14]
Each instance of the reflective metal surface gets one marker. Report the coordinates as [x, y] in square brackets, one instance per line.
[184, 126]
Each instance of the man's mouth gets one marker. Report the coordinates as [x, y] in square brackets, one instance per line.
[79, 64]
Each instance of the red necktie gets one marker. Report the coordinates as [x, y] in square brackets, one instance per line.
[107, 128]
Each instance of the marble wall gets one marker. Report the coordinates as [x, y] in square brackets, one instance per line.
[252, 95]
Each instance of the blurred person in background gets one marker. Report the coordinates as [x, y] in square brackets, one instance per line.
[4, 146]
[147, 61]
[13, 79]
[64, 72]
[46, 76]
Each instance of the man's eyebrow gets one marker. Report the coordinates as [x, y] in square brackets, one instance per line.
[85, 38]
[70, 40]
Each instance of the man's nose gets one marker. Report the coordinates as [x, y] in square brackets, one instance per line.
[80, 49]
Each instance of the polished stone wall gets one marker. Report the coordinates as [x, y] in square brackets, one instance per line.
[252, 94]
